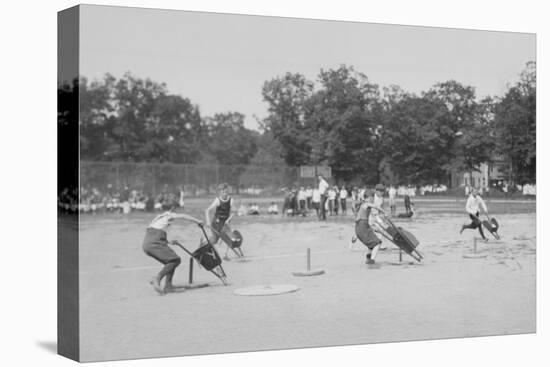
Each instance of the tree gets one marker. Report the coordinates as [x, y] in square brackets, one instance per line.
[133, 119]
[229, 141]
[515, 127]
[412, 140]
[96, 114]
[286, 98]
[475, 144]
[342, 118]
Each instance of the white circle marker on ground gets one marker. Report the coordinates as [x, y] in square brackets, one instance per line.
[474, 256]
[266, 290]
[307, 273]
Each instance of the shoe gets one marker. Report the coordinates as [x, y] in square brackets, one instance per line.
[353, 239]
[461, 229]
[370, 261]
[485, 240]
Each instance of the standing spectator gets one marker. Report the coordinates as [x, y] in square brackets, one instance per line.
[273, 208]
[323, 187]
[343, 198]
[316, 201]
[302, 201]
[336, 200]
[407, 200]
[392, 192]
[294, 200]
[309, 196]
[181, 196]
[331, 200]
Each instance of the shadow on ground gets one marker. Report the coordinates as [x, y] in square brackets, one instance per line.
[50, 346]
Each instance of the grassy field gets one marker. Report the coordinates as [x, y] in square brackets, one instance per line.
[445, 296]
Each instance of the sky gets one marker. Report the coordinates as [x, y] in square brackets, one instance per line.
[220, 61]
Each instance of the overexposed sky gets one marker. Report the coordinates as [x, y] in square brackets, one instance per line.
[221, 61]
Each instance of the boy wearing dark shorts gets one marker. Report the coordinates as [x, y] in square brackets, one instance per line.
[221, 206]
[155, 245]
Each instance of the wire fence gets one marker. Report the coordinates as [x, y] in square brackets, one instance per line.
[197, 180]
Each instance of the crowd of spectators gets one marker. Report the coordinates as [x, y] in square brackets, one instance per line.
[112, 200]
[298, 201]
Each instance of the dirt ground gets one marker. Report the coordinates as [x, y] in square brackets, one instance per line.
[445, 296]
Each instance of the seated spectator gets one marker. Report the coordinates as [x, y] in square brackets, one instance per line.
[253, 209]
[273, 209]
[242, 210]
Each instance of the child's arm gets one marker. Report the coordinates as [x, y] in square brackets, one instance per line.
[187, 217]
[208, 210]
[483, 205]
[376, 207]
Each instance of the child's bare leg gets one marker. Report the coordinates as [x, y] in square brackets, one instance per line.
[168, 286]
[168, 268]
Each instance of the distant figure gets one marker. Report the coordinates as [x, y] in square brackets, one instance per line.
[253, 209]
[343, 197]
[332, 201]
[392, 192]
[407, 200]
[242, 210]
[273, 209]
[309, 197]
[302, 201]
[149, 203]
[316, 202]
[323, 187]
[408, 214]
[181, 196]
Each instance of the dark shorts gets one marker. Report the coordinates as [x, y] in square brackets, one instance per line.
[366, 234]
[217, 226]
[155, 245]
[475, 219]
[219, 231]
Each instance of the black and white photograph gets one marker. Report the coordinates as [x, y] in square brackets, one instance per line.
[274, 183]
[251, 183]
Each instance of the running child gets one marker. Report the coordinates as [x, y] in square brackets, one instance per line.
[155, 245]
[363, 230]
[473, 206]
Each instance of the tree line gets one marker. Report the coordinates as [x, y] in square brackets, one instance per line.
[365, 132]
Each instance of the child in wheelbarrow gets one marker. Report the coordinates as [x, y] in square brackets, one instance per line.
[363, 230]
[155, 244]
